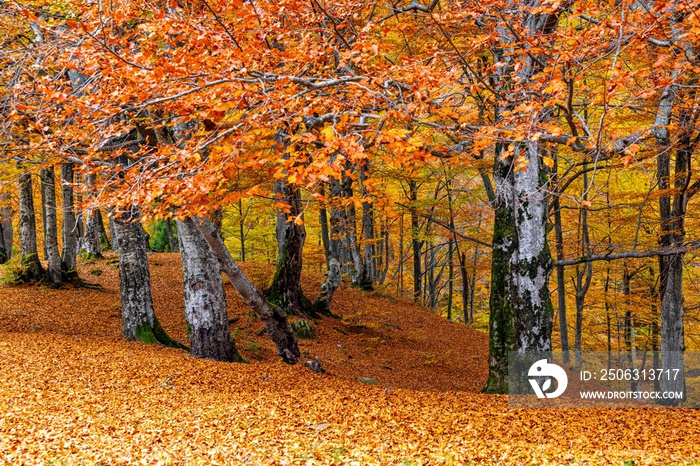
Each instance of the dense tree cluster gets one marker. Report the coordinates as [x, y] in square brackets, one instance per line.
[528, 137]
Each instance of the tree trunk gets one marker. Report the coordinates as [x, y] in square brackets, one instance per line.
[32, 271]
[70, 223]
[325, 232]
[335, 250]
[91, 242]
[465, 288]
[399, 285]
[217, 218]
[205, 301]
[285, 290]
[241, 228]
[42, 191]
[353, 246]
[654, 326]
[561, 284]
[138, 318]
[322, 304]
[172, 239]
[672, 217]
[521, 309]
[583, 276]
[416, 243]
[368, 267]
[5, 228]
[113, 235]
[53, 257]
[104, 241]
[273, 318]
[450, 277]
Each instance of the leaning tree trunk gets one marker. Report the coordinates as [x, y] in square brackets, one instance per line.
[5, 228]
[139, 321]
[70, 223]
[273, 318]
[285, 290]
[32, 271]
[53, 273]
[521, 308]
[205, 300]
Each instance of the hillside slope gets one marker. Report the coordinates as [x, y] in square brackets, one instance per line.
[72, 391]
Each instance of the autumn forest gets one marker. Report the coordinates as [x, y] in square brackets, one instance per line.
[315, 232]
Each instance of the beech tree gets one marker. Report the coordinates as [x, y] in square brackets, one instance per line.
[544, 94]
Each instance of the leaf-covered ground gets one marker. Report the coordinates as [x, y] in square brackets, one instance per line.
[72, 391]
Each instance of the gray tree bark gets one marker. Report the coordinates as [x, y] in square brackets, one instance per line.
[521, 307]
[285, 290]
[139, 321]
[369, 273]
[672, 218]
[70, 223]
[6, 233]
[333, 246]
[113, 234]
[205, 300]
[91, 241]
[32, 271]
[53, 257]
[273, 318]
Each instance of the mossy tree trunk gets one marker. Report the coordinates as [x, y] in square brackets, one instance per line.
[205, 300]
[53, 273]
[32, 271]
[285, 290]
[273, 317]
[521, 308]
[5, 228]
[139, 321]
[70, 223]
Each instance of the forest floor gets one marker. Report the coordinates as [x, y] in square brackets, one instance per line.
[73, 391]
